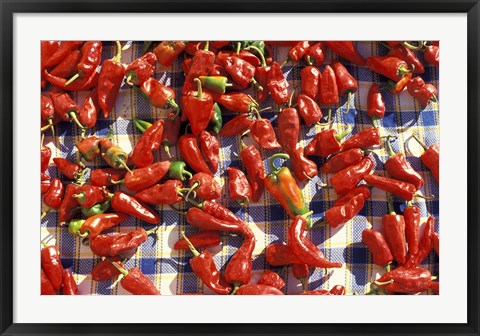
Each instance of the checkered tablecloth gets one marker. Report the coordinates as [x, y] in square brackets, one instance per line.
[170, 270]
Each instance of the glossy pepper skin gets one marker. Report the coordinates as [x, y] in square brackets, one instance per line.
[239, 189]
[236, 126]
[198, 107]
[142, 178]
[280, 255]
[191, 153]
[67, 67]
[69, 169]
[44, 183]
[271, 278]
[436, 243]
[54, 195]
[402, 52]
[393, 228]
[52, 266]
[69, 207]
[288, 124]
[430, 157]
[130, 205]
[168, 51]
[422, 92]
[65, 107]
[165, 193]
[263, 133]
[346, 83]
[388, 66]
[205, 186]
[432, 54]
[342, 160]
[297, 51]
[399, 168]
[308, 110]
[283, 187]
[303, 168]
[157, 94]
[104, 177]
[303, 248]
[84, 83]
[141, 155]
[361, 189]
[236, 101]
[204, 267]
[69, 286]
[109, 81]
[328, 88]
[348, 178]
[424, 246]
[347, 50]
[47, 110]
[412, 217]
[113, 155]
[47, 48]
[241, 71]
[64, 49]
[258, 289]
[89, 195]
[206, 221]
[95, 225]
[177, 171]
[88, 114]
[46, 287]
[277, 84]
[310, 77]
[202, 64]
[402, 189]
[364, 139]
[315, 54]
[200, 239]
[405, 280]
[217, 84]
[239, 269]
[261, 75]
[219, 211]
[141, 69]
[253, 163]
[340, 214]
[210, 146]
[171, 132]
[104, 270]
[137, 283]
[91, 58]
[375, 103]
[377, 245]
[115, 244]
[328, 142]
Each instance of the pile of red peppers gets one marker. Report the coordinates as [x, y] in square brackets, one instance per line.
[176, 161]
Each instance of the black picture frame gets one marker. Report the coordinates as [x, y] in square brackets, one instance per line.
[10, 7]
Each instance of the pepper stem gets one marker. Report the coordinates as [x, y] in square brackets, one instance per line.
[49, 125]
[256, 84]
[391, 210]
[72, 79]
[192, 189]
[128, 80]
[340, 136]
[412, 47]
[73, 116]
[347, 109]
[190, 245]
[236, 286]
[118, 55]
[174, 104]
[207, 43]
[421, 143]
[239, 46]
[389, 147]
[329, 119]
[262, 57]
[402, 70]
[120, 269]
[424, 197]
[199, 88]
[45, 211]
[166, 148]
[271, 161]
[290, 100]
[384, 283]
[124, 164]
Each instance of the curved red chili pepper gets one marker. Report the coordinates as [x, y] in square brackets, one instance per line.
[236, 126]
[342, 160]
[128, 204]
[171, 132]
[90, 60]
[346, 83]
[348, 178]
[388, 66]
[52, 266]
[65, 107]
[288, 124]
[253, 163]
[405, 280]
[64, 49]
[424, 246]
[136, 283]
[198, 107]
[270, 278]
[167, 52]
[403, 189]
[89, 195]
[258, 289]
[115, 244]
[399, 168]
[378, 246]
[404, 53]
[141, 69]
[347, 50]
[239, 269]
[280, 255]
[68, 66]
[222, 57]
[69, 286]
[104, 269]
[421, 91]
[235, 101]
[142, 178]
[239, 190]
[340, 214]
[200, 239]
[364, 139]
[309, 110]
[262, 132]
[328, 89]
[141, 155]
[206, 221]
[240, 71]
[69, 169]
[84, 83]
[157, 94]
[88, 114]
[303, 168]
[412, 216]
[205, 186]
[393, 228]
[297, 51]
[430, 157]
[187, 144]
[105, 177]
[69, 207]
[327, 142]
[375, 102]
[210, 146]
[95, 225]
[315, 54]
[310, 77]
[277, 84]
[166, 193]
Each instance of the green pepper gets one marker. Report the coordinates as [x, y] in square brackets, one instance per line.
[177, 171]
[75, 225]
[114, 155]
[97, 209]
[216, 84]
[142, 125]
[282, 185]
[216, 121]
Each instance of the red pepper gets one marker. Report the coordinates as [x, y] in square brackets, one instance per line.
[310, 77]
[421, 91]
[236, 101]
[432, 54]
[405, 280]
[89, 148]
[69, 169]
[315, 54]
[404, 53]
[128, 204]
[201, 66]
[245, 55]
[83, 83]
[378, 247]
[68, 66]
[303, 168]
[219, 211]
[210, 146]
[141, 69]
[364, 139]
[239, 189]
[236, 126]
[239, 269]
[303, 248]
[117, 158]
[430, 157]
[45, 155]
[253, 163]
[375, 102]
[327, 87]
[316, 292]
[95, 225]
[345, 81]
[435, 287]
[204, 267]
[277, 84]
[337, 290]
[89, 195]
[46, 287]
[403, 189]
[393, 227]
[241, 71]
[297, 51]
[89, 112]
[399, 168]
[436, 243]
[69, 286]
[166, 193]
[142, 178]
[205, 186]
[69, 207]
[115, 244]
[47, 111]
[308, 110]
[171, 132]
[91, 58]
[388, 66]
[109, 81]
[301, 272]
[347, 50]
[361, 189]
[270, 278]
[158, 95]
[135, 282]
[424, 246]
[198, 107]
[399, 86]
[47, 48]
[340, 214]
[187, 144]
[141, 155]
[104, 270]
[327, 142]
[342, 160]
[64, 49]
[105, 177]
[258, 289]
[288, 124]
[262, 132]
[281, 255]
[200, 239]
[52, 266]
[44, 183]
[206, 221]
[411, 214]
[167, 52]
[65, 107]
[348, 178]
